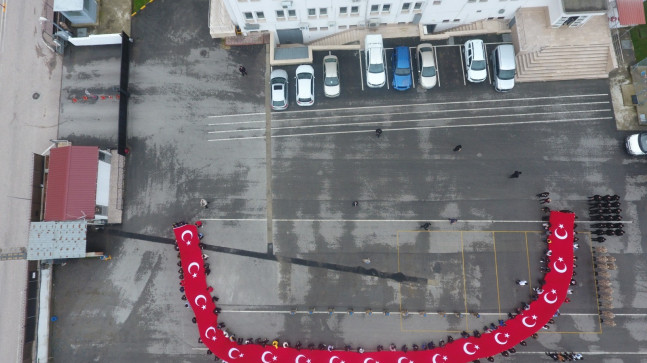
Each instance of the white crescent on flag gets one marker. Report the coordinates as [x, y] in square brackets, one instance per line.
[402, 358]
[467, 351]
[561, 236]
[199, 297]
[206, 333]
[263, 357]
[184, 240]
[299, 357]
[188, 268]
[433, 359]
[528, 325]
[500, 342]
[562, 269]
[550, 301]
[368, 359]
[234, 350]
[332, 359]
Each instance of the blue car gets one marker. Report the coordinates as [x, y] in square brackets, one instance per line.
[401, 66]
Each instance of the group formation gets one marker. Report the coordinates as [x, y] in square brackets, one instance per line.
[565, 356]
[606, 209]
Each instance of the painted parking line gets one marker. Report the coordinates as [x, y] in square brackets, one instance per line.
[460, 52]
[386, 67]
[487, 64]
[521, 123]
[413, 81]
[361, 69]
[436, 65]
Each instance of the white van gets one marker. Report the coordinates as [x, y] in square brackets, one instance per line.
[636, 144]
[503, 63]
[375, 69]
[475, 61]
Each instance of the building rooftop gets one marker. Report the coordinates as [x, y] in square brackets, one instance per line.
[57, 240]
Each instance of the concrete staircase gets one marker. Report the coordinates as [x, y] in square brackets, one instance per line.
[496, 26]
[565, 62]
[346, 37]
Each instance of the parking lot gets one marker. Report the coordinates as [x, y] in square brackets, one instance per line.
[281, 230]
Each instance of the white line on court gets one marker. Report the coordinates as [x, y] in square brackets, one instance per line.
[419, 112]
[238, 115]
[420, 128]
[424, 104]
[412, 120]
[383, 220]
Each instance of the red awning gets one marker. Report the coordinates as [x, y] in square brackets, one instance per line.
[72, 183]
[630, 12]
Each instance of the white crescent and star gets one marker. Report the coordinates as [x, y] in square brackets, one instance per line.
[199, 297]
[191, 265]
[182, 236]
[560, 236]
[560, 270]
[234, 350]
[533, 317]
[433, 359]
[206, 333]
[299, 357]
[332, 359]
[467, 351]
[496, 338]
[263, 357]
[368, 359]
[550, 301]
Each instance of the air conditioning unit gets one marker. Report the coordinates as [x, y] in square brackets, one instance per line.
[304, 26]
[373, 23]
[286, 4]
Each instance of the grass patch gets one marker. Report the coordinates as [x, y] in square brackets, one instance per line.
[639, 39]
[137, 4]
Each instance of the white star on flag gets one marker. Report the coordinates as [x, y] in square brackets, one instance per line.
[273, 357]
[507, 335]
[534, 317]
[444, 357]
[188, 243]
[561, 226]
[553, 291]
[204, 307]
[241, 355]
[560, 259]
[195, 275]
[213, 338]
[476, 347]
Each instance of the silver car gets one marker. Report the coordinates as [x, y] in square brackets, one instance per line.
[279, 89]
[331, 76]
[426, 65]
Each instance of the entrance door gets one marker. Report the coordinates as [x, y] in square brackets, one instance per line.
[290, 36]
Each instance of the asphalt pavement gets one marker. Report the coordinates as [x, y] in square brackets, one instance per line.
[289, 237]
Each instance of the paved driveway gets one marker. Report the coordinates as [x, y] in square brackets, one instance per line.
[197, 130]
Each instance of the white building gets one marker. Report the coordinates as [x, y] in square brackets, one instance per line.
[304, 21]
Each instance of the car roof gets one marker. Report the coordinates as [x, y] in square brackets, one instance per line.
[330, 66]
[506, 56]
[428, 56]
[477, 44]
[402, 54]
[279, 73]
[375, 55]
[305, 68]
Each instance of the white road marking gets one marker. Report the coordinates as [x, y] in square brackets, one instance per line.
[421, 128]
[239, 115]
[409, 120]
[416, 112]
[361, 70]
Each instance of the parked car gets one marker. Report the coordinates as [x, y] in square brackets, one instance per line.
[279, 86]
[305, 84]
[375, 70]
[331, 76]
[426, 65]
[637, 144]
[475, 61]
[401, 65]
[504, 66]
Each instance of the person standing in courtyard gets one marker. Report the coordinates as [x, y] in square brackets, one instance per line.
[378, 132]
[458, 148]
[515, 174]
[242, 70]
[204, 204]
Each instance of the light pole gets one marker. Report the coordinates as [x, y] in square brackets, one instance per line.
[60, 37]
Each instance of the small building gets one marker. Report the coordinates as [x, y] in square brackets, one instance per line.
[78, 12]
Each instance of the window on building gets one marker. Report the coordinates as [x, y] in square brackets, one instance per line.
[292, 13]
[457, 20]
[312, 12]
[343, 10]
[417, 6]
[437, 2]
[446, 21]
[354, 10]
[280, 14]
[386, 8]
[323, 11]
[471, 1]
[260, 15]
[375, 8]
[406, 7]
[249, 16]
[483, 1]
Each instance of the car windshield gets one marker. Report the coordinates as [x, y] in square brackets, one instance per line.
[506, 74]
[278, 80]
[642, 142]
[331, 81]
[376, 68]
[303, 76]
[402, 71]
[278, 103]
[428, 71]
[308, 99]
[478, 65]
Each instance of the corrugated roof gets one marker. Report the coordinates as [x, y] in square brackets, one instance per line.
[72, 183]
[55, 240]
[630, 12]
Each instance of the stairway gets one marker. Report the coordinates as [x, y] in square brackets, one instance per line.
[485, 26]
[350, 36]
[564, 63]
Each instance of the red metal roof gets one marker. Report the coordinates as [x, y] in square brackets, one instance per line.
[72, 183]
[630, 12]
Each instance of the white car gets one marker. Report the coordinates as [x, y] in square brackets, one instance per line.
[475, 61]
[426, 65]
[305, 83]
[637, 144]
[279, 88]
[331, 76]
[375, 70]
